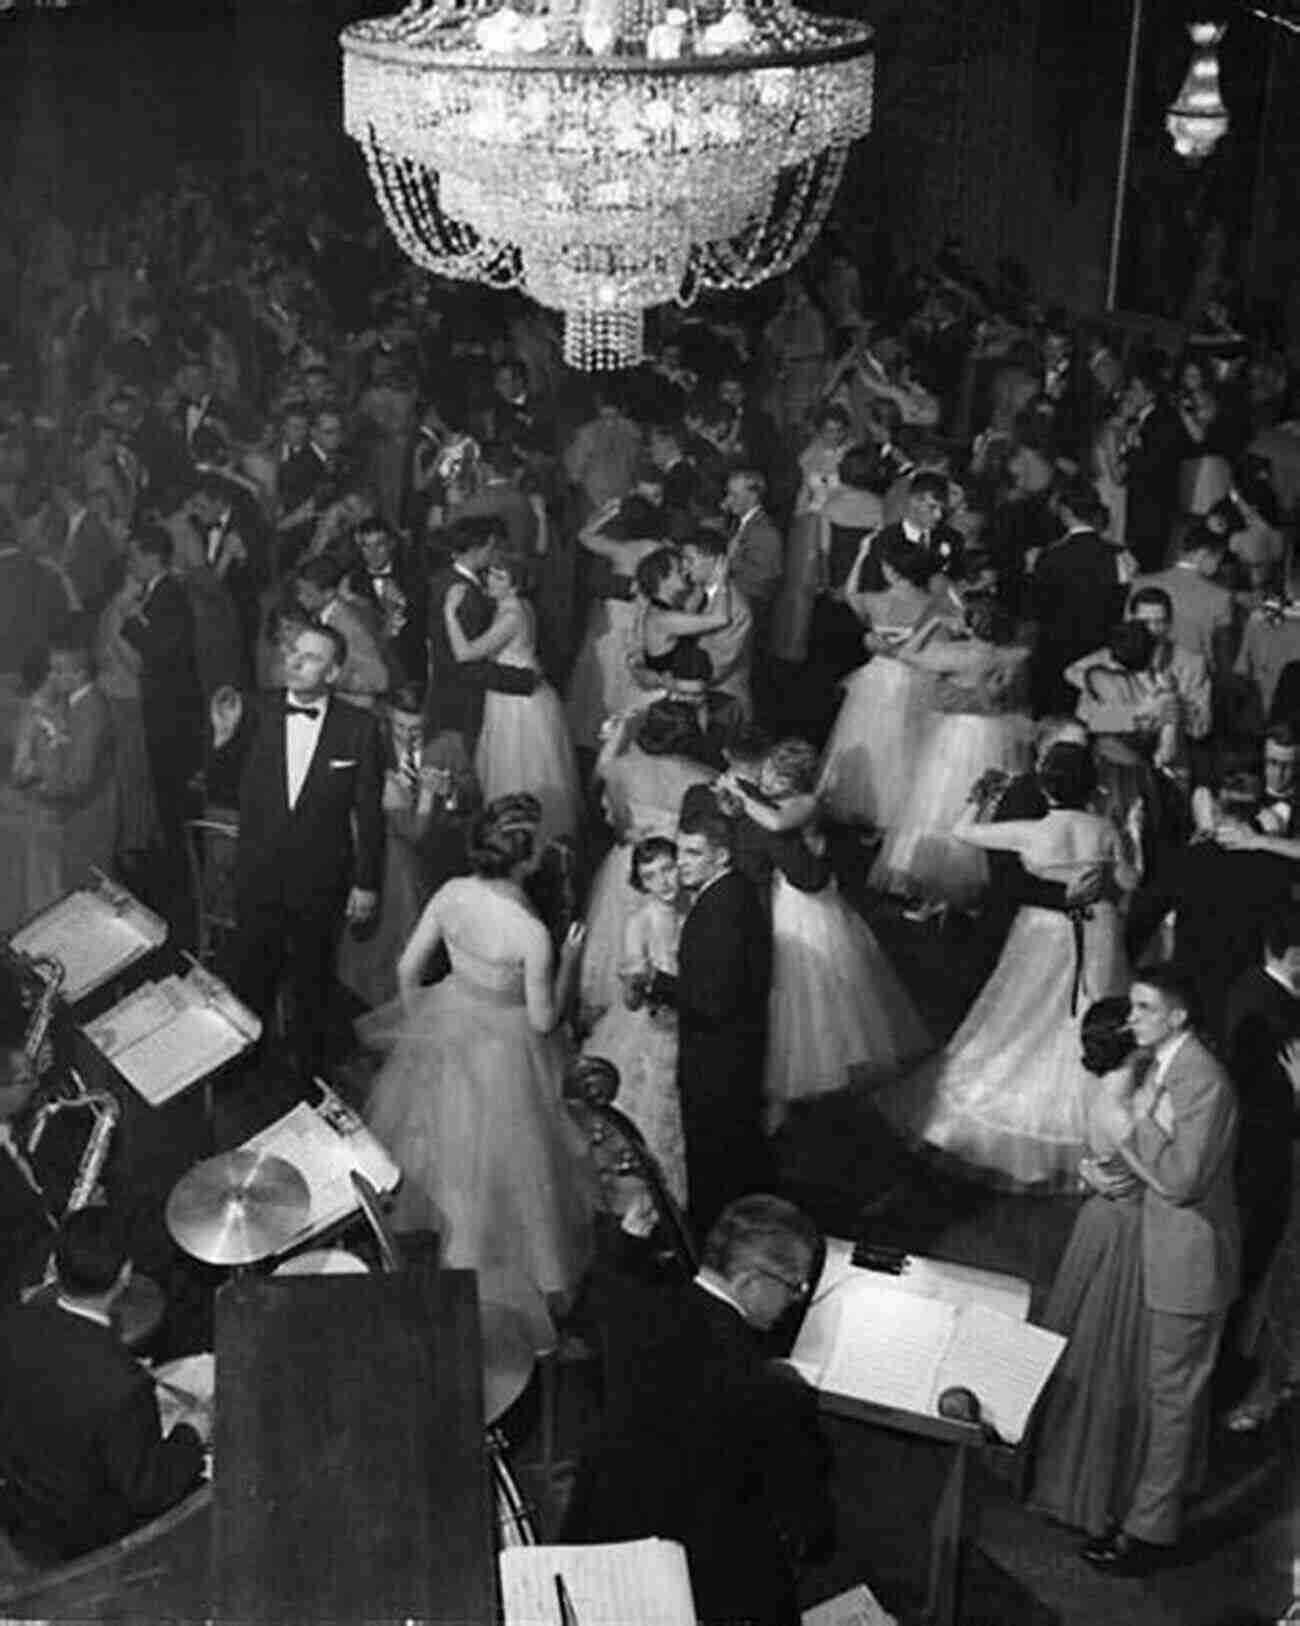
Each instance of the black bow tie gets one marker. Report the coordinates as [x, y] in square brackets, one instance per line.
[290, 710]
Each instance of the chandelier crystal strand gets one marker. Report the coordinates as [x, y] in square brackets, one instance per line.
[606, 156]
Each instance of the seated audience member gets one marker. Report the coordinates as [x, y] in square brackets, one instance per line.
[58, 814]
[82, 1455]
[1203, 622]
[704, 1441]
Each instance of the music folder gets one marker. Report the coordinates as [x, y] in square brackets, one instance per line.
[94, 933]
[624, 1583]
[897, 1343]
[168, 1035]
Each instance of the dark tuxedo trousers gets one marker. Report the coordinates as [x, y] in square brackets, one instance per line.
[724, 974]
[296, 865]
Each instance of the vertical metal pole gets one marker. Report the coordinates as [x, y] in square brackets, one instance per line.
[1125, 143]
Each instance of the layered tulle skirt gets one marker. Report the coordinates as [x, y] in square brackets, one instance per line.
[1005, 1096]
[875, 745]
[643, 1046]
[524, 745]
[921, 858]
[602, 683]
[469, 1105]
[611, 900]
[837, 1007]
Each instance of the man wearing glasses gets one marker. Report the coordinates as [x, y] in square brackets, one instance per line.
[707, 1442]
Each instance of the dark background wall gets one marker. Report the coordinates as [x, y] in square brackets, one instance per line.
[997, 122]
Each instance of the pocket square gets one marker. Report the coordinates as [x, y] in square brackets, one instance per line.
[343, 762]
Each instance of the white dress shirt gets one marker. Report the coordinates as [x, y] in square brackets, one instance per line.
[301, 737]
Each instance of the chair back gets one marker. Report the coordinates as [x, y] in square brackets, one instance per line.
[210, 846]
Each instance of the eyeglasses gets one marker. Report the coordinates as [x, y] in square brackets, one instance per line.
[796, 1290]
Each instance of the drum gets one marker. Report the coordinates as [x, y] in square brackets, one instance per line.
[323, 1262]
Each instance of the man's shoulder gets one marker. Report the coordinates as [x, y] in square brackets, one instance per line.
[1186, 663]
[1196, 1068]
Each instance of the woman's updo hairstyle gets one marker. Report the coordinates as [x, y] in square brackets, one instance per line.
[645, 852]
[1132, 645]
[794, 762]
[1068, 776]
[1104, 1033]
[504, 836]
[653, 571]
[513, 564]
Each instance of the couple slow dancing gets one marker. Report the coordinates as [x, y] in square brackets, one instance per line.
[486, 683]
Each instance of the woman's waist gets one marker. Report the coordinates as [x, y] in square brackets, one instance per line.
[509, 992]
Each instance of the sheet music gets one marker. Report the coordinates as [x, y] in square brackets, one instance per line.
[887, 1345]
[1004, 1363]
[89, 939]
[151, 1006]
[326, 1159]
[930, 1278]
[187, 1049]
[630, 1583]
[858, 1606]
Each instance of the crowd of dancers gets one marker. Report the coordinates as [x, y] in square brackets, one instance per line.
[608, 704]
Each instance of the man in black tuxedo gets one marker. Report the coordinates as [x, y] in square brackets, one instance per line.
[82, 1456]
[720, 995]
[1261, 1020]
[704, 1441]
[456, 688]
[160, 627]
[1152, 455]
[922, 525]
[393, 584]
[1075, 595]
[311, 834]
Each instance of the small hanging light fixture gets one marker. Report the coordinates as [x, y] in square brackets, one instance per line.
[1197, 121]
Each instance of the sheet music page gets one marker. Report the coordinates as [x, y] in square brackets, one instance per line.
[887, 1345]
[89, 939]
[1004, 1363]
[136, 1017]
[859, 1606]
[628, 1583]
[962, 1285]
[186, 1050]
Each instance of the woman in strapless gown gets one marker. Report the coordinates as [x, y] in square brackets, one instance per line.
[1005, 1096]
[874, 748]
[469, 1100]
[524, 743]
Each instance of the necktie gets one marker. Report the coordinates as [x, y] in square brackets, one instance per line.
[290, 710]
[410, 770]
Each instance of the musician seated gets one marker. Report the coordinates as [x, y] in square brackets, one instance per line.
[82, 1455]
[24, 1228]
[706, 1442]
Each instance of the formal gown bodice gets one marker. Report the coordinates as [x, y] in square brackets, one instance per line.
[522, 647]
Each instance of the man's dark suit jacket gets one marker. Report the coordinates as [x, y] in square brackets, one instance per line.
[720, 993]
[31, 602]
[704, 1443]
[946, 548]
[408, 653]
[81, 1448]
[171, 698]
[1075, 599]
[456, 688]
[1152, 464]
[306, 857]
[1260, 1020]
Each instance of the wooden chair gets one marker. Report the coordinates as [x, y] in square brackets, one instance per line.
[210, 845]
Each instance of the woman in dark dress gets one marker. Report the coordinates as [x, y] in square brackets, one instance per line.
[1091, 1426]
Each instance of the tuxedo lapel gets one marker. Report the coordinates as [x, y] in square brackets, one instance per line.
[327, 748]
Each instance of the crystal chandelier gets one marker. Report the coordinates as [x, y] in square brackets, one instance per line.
[1198, 120]
[604, 156]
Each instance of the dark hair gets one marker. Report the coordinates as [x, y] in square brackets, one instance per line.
[711, 823]
[1283, 930]
[500, 455]
[371, 529]
[472, 532]
[929, 484]
[991, 621]
[1068, 776]
[408, 697]
[668, 728]
[795, 762]
[503, 836]
[688, 663]
[337, 641]
[748, 743]
[1132, 644]
[34, 668]
[710, 543]
[645, 852]
[1281, 734]
[156, 542]
[760, 1230]
[754, 478]
[653, 571]
[858, 468]
[89, 1252]
[1203, 538]
[1173, 985]
[1079, 497]
[830, 412]
[321, 572]
[908, 559]
[1105, 1034]
[513, 564]
[1152, 595]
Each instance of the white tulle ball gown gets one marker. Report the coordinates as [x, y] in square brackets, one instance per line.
[469, 1104]
[1006, 1095]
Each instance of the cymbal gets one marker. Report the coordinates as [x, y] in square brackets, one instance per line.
[238, 1208]
[508, 1358]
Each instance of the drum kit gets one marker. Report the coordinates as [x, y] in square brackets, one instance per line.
[243, 1208]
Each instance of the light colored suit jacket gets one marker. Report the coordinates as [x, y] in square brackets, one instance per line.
[1184, 1151]
[756, 560]
[730, 649]
[1203, 611]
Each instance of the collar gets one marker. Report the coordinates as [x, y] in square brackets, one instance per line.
[1280, 980]
[1145, 413]
[321, 700]
[322, 456]
[914, 533]
[85, 1312]
[463, 570]
[717, 1291]
[1078, 530]
[712, 881]
[749, 513]
[1165, 1052]
[78, 694]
